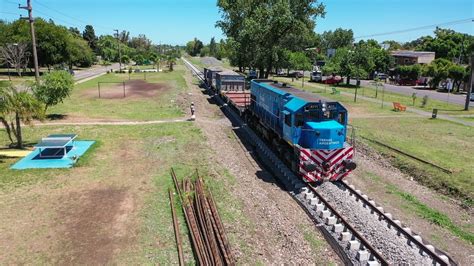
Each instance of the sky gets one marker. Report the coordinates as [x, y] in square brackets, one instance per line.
[178, 21]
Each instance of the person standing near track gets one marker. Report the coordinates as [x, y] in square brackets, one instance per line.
[192, 111]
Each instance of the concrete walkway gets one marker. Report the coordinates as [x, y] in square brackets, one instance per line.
[413, 110]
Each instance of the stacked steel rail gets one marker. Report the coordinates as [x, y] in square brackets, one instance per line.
[209, 241]
[348, 242]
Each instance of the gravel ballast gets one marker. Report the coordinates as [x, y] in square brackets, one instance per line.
[395, 248]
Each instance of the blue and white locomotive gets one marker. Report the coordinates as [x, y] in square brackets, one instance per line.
[307, 131]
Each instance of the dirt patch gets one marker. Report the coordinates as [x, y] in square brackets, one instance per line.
[133, 89]
[94, 224]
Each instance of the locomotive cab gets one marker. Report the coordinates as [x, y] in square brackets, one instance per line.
[319, 131]
[315, 125]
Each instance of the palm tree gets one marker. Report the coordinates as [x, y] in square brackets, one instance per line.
[18, 106]
[171, 62]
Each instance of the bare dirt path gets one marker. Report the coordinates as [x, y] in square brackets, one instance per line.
[278, 231]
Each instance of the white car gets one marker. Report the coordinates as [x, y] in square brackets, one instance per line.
[472, 97]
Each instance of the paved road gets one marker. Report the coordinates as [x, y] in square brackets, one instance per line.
[407, 90]
[94, 71]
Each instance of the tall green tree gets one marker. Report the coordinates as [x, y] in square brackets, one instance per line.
[338, 38]
[89, 35]
[257, 29]
[213, 47]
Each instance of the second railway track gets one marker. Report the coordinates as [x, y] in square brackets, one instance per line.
[358, 229]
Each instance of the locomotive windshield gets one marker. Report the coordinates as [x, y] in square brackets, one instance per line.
[318, 112]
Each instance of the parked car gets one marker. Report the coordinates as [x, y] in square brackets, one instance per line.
[252, 74]
[316, 76]
[333, 79]
[405, 82]
[472, 97]
[381, 76]
[422, 81]
[295, 74]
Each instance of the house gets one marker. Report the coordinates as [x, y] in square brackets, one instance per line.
[413, 57]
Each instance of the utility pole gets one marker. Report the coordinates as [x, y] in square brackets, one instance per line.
[120, 54]
[33, 39]
[469, 86]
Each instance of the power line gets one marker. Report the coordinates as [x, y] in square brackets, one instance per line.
[11, 2]
[71, 17]
[57, 19]
[10, 13]
[462, 21]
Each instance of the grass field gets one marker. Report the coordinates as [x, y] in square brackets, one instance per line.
[113, 206]
[127, 162]
[84, 101]
[441, 142]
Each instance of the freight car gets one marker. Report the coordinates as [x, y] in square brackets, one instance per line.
[210, 75]
[231, 87]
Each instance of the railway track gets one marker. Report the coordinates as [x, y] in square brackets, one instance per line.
[358, 230]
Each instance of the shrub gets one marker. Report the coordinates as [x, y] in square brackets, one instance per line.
[54, 87]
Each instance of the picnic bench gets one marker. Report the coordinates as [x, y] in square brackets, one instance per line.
[335, 91]
[399, 107]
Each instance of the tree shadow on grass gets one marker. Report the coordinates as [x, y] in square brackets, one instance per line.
[54, 117]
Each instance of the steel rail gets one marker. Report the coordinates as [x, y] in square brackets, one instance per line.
[177, 233]
[362, 239]
[399, 227]
[189, 221]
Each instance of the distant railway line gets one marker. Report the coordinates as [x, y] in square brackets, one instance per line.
[358, 229]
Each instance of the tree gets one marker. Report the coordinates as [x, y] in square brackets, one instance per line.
[139, 59]
[457, 74]
[337, 39]
[75, 31]
[141, 43]
[124, 36]
[78, 53]
[194, 47]
[438, 71]
[17, 107]
[204, 51]
[53, 88]
[257, 30]
[299, 61]
[408, 72]
[16, 55]
[89, 35]
[213, 47]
